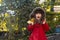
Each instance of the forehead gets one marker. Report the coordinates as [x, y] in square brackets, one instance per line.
[38, 13]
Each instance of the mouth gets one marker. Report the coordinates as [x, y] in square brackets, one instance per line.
[38, 17]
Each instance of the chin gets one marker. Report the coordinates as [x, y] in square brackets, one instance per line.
[38, 19]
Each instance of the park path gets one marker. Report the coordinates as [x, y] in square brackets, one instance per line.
[54, 36]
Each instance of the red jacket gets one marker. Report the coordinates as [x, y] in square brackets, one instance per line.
[38, 31]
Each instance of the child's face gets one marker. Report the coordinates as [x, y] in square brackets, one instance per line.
[38, 16]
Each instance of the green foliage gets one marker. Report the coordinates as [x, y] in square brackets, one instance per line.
[53, 20]
[23, 8]
[24, 12]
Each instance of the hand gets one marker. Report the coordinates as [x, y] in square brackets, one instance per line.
[44, 21]
[29, 22]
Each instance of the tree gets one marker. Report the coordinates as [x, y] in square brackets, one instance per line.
[25, 9]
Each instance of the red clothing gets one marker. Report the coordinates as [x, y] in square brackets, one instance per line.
[38, 31]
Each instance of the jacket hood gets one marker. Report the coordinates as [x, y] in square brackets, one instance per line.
[38, 9]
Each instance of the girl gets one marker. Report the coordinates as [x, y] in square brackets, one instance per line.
[38, 25]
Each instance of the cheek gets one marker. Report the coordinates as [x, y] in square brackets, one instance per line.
[36, 15]
[40, 15]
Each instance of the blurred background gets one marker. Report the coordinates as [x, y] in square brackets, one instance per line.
[14, 15]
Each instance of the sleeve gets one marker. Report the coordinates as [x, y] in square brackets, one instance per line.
[30, 27]
[46, 27]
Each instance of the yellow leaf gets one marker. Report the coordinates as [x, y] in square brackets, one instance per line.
[48, 9]
[0, 1]
[6, 15]
[23, 28]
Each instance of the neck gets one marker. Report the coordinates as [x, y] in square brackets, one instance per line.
[38, 21]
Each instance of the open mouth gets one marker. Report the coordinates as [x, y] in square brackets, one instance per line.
[38, 17]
